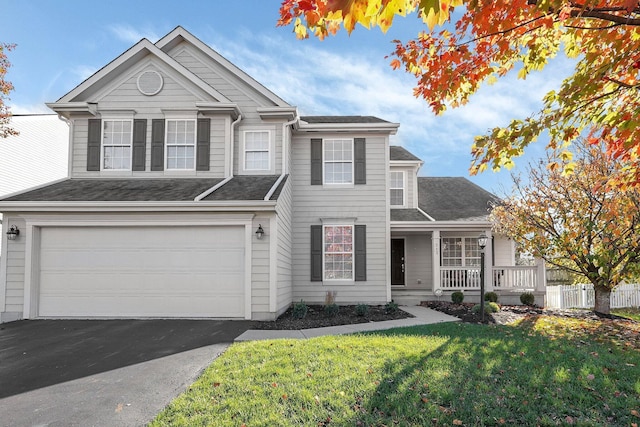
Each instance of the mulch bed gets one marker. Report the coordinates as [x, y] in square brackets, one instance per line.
[317, 318]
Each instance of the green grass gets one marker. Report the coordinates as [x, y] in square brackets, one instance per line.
[546, 372]
[629, 313]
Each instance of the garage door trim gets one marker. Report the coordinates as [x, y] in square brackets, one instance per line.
[32, 250]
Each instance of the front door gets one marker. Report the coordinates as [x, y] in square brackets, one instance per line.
[397, 262]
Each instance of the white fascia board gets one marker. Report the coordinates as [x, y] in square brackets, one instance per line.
[214, 206]
[439, 225]
[219, 108]
[66, 108]
[390, 128]
[142, 45]
[167, 40]
[415, 163]
[282, 113]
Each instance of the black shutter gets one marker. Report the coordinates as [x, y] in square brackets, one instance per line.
[139, 150]
[93, 144]
[360, 250]
[157, 145]
[316, 253]
[203, 144]
[360, 157]
[316, 161]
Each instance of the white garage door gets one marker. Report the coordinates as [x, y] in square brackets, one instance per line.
[142, 272]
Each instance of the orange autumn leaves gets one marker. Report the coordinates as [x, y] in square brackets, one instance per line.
[486, 39]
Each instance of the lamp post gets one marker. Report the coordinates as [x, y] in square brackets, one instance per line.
[482, 242]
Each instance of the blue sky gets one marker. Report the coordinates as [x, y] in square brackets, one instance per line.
[59, 44]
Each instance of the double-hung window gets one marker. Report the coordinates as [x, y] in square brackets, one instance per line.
[181, 144]
[257, 151]
[338, 252]
[338, 161]
[396, 188]
[116, 144]
[460, 252]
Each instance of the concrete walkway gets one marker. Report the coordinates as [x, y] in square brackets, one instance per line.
[423, 316]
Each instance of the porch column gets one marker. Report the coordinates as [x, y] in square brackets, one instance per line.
[435, 259]
[488, 263]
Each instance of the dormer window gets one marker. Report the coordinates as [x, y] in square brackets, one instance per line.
[116, 144]
[181, 144]
[396, 188]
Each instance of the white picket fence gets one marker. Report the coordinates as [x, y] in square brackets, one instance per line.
[583, 296]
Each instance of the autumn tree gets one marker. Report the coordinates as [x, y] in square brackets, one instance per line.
[482, 40]
[577, 221]
[5, 88]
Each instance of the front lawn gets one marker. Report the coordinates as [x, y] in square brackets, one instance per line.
[629, 313]
[546, 371]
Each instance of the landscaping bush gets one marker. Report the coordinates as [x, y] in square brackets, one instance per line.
[489, 307]
[391, 307]
[527, 299]
[491, 297]
[300, 310]
[362, 310]
[457, 297]
[331, 310]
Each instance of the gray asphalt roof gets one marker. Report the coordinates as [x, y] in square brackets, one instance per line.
[400, 153]
[454, 199]
[407, 215]
[342, 119]
[160, 190]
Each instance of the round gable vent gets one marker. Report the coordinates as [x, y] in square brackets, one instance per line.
[150, 83]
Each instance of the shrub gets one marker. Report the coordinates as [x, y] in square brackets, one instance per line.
[527, 298]
[300, 310]
[362, 310]
[391, 307]
[457, 297]
[491, 297]
[489, 307]
[331, 310]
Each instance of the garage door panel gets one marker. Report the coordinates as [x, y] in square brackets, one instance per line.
[102, 272]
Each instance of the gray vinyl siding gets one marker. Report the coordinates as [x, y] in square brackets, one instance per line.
[418, 261]
[15, 258]
[285, 266]
[503, 251]
[260, 267]
[367, 203]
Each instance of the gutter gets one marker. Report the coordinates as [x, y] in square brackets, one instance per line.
[139, 206]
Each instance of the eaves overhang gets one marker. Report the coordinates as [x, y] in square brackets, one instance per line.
[383, 127]
[146, 206]
[279, 113]
[439, 225]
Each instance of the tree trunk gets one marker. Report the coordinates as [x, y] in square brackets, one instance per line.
[603, 300]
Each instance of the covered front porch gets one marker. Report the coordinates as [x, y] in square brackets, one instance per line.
[429, 263]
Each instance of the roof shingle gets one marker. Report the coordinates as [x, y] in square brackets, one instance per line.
[454, 199]
[400, 153]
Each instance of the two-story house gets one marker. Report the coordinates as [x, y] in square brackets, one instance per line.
[194, 191]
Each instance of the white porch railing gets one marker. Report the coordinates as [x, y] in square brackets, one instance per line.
[502, 278]
[583, 296]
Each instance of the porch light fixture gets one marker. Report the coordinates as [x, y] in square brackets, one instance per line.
[13, 233]
[260, 232]
[482, 243]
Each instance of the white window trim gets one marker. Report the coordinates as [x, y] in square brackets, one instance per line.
[404, 190]
[353, 161]
[463, 256]
[353, 252]
[166, 143]
[271, 151]
[102, 145]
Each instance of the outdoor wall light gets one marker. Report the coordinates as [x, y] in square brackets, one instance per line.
[13, 233]
[260, 232]
[482, 240]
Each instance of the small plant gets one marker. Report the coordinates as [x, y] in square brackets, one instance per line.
[300, 310]
[391, 307]
[491, 297]
[457, 297]
[527, 299]
[489, 307]
[362, 310]
[330, 297]
[331, 310]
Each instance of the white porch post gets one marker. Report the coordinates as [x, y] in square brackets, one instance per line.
[488, 263]
[435, 258]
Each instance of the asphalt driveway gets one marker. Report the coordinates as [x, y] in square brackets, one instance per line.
[102, 372]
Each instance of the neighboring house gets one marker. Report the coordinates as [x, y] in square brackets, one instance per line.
[37, 155]
[196, 192]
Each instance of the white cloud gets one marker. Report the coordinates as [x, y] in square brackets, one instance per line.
[132, 35]
[29, 109]
[83, 72]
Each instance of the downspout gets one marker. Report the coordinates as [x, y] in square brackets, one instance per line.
[230, 177]
[70, 146]
[284, 157]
